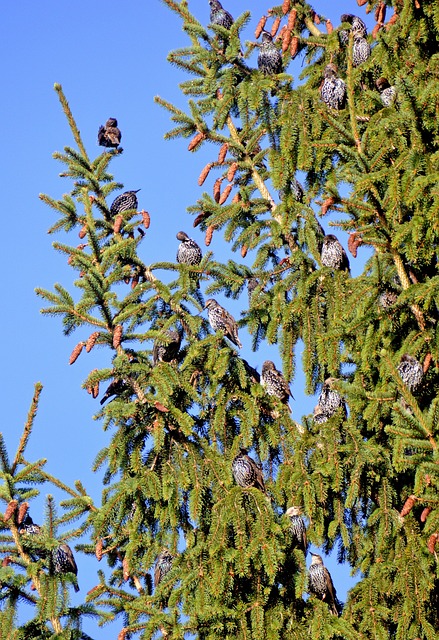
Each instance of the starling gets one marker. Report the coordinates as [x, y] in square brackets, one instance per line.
[64, 562]
[387, 91]
[333, 255]
[320, 583]
[360, 50]
[246, 472]
[358, 27]
[162, 566]
[269, 57]
[298, 528]
[124, 202]
[222, 320]
[109, 135]
[28, 527]
[333, 88]
[274, 383]
[188, 251]
[219, 16]
[329, 402]
[166, 351]
[388, 298]
[411, 372]
[115, 388]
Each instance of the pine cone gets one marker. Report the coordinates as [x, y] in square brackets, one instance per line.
[294, 46]
[217, 189]
[22, 511]
[232, 170]
[292, 19]
[286, 39]
[243, 251]
[76, 352]
[285, 6]
[432, 540]
[205, 173]
[408, 505]
[329, 27]
[354, 242]
[160, 407]
[391, 21]
[327, 205]
[83, 231]
[222, 153]
[117, 335]
[427, 362]
[146, 219]
[118, 222]
[125, 569]
[122, 634]
[95, 390]
[275, 27]
[380, 13]
[375, 30]
[200, 217]
[91, 341]
[315, 18]
[260, 26]
[225, 194]
[424, 515]
[196, 140]
[10, 510]
[6, 561]
[99, 549]
[361, 2]
[209, 234]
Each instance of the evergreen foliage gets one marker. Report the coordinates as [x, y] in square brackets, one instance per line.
[364, 471]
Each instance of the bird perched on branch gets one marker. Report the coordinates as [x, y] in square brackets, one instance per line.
[162, 566]
[166, 351]
[333, 88]
[329, 402]
[357, 25]
[188, 251]
[387, 91]
[64, 562]
[269, 57]
[109, 135]
[411, 372]
[28, 527]
[320, 583]
[274, 383]
[219, 16]
[221, 320]
[246, 472]
[333, 255]
[124, 202]
[115, 388]
[360, 50]
[298, 528]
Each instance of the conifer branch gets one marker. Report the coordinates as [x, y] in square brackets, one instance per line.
[350, 95]
[71, 120]
[27, 427]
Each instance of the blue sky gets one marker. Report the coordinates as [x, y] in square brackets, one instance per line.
[110, 58]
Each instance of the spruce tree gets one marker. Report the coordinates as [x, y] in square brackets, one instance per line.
[203, 463]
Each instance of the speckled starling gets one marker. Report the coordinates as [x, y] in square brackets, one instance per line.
[222, 320]
[298, 528]
[388, 298]
[188, 251]
[109, 135]
[387, 91]
[269, 57]
[333, 255]
[28, 527]
[360, 50]
[219, 16]
[411, 372]
[246, 472]
[64, 562]
[329, 402]
[320, 583]
[124, 202]
[115, 388]
[166, 351]
[358, 27]
[333, 88]
[274, 382]
[162, 566]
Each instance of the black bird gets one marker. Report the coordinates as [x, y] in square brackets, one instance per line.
[166, 351]
[360, 50]
[219, 16]
[333, 255]
[269, 57]
[246, 472]
[28, 527]
[64, 562]
[115, 388]
[109, 135]
[329, 402]
[387, 91]
[124, 202]
[162, 566]
[320, 583]
[333, 88]
[358, 27]
[411, 372]
[221, 320]
[188, 251]
[298, 528]
[274, 383]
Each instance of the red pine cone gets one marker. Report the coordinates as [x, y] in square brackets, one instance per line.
[260, 26]
[146, 219]
[243, 251]
[95, 390]
[6, 561]
[225, 194]
[99, 549]
[217, 189]
[329, 27]
[427, 362]
[122, 634]
[209, 234]
[285, 6]
[286, 39]
[294, 46]
[354, 242]
[424, 515]
[10, 510]
[232, 170]
[200, 217]
[327, 205]
[118, 222]
[160, 407]
[432, 540]
[83, 231]
[375, 30]
[292, 19]
[380, 13]
[76, 352]
[22, 512]
[125, 569]
[204, 173]
[222, 153]
[391, 21]
[275, 27]
[361, 2]
[91, 341]
[196, 140]
[408, 505]
[117, 335]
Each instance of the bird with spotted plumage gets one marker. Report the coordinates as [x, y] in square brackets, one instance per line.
[411, 372]
[297, 528]
[269, 56]
[221, 320]
[274, 383]
[28, 527]
[360, 50]
[188, 251]
[357, 26]
[387, 91]
[320, 584]
[333, 88]
[64, 562]
[333, 254]
[246, 472]
[162, 566]
[329, 402]
[168, 350]
[109, 134]
[219, 16]
[124, 202]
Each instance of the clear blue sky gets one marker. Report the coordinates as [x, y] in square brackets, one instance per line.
[110, 58]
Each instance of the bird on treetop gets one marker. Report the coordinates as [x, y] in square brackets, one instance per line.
[333, 255]
[269, 57]
[219, 16]
[221, 320]
[333, 88]
[188, 251]
[124, 202]
[64, 562]
[109, 135]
